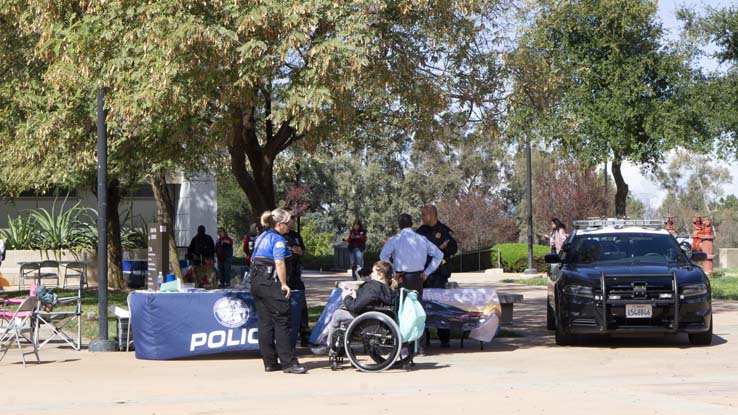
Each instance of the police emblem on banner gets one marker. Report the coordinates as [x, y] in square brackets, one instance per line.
[231, 312]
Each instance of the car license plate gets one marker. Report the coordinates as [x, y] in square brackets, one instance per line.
[638, 311]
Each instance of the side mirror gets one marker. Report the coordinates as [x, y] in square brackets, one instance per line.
[699, 256]
[686, 246]
[552, 258]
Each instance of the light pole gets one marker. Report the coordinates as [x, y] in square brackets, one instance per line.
[102, 344]
[529, 183]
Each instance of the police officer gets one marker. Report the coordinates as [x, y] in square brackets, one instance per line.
[272, 294]
[294, 275]
[442, 237]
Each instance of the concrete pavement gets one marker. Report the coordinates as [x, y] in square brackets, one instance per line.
[526, 374]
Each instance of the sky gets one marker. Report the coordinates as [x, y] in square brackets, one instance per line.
[642, 187]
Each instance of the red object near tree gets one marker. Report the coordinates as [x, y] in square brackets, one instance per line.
[702, 241]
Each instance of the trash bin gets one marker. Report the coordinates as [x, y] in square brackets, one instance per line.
[134, 271]
[341, 256]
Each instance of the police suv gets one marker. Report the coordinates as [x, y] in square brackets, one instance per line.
[627, 276]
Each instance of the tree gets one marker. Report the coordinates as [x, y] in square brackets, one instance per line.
[621, 92]
[694, 186]
[332, 72]
[718, 89]
[157, 102]
[562, 188]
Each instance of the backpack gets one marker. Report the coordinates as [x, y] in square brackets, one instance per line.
[47, 297]
[411, 316]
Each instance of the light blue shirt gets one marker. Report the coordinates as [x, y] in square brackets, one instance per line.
[409, 252]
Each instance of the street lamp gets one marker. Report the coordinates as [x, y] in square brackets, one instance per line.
[102, 344]
[529, 184]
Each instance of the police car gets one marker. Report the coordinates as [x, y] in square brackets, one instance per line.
[627, 276]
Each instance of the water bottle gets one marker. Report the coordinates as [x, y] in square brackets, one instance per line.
[159, 280]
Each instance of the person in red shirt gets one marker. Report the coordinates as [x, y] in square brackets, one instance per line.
[357, 244]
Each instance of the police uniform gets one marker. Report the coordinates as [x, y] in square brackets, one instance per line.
[272, 308]
[294, 279]
[438, 234]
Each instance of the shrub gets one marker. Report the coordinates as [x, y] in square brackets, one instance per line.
[317, 262]
[65, 229]
[20, 233]
[317, 243]
[515, 256]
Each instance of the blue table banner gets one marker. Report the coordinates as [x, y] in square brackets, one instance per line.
[184, 324]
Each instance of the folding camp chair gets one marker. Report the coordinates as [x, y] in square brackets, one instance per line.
[15, 324]
[60, 321]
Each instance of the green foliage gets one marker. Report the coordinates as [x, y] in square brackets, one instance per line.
[234, 213]
[317, 243]
[20, 233]
[317, 263]
[515, 256]
[133, 236]
[620, 93]
[63, 229]
[724, 288]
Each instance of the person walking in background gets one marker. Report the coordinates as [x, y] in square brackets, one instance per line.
[224, 252]
[202, 254]
[272, 294]
[294, 275]
[558, 235]
[442, 237]
[357, 244]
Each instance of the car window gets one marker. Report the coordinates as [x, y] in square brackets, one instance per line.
[624, 247]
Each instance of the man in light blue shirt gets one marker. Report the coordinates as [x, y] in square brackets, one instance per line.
[409, 252]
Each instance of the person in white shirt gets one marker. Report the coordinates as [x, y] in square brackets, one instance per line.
[409, 252]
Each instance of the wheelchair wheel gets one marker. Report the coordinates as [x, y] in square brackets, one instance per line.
[372, 342]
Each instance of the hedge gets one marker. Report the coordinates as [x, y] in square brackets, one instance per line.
[515, 256]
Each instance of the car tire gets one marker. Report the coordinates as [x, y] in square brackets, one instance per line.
[550, 317]
[562, 337]
[701, 339]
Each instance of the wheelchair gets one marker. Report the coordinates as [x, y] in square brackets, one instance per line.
[371, 342]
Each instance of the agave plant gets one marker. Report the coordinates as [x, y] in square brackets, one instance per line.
[65, 229]
[132, 236]
[20, 233]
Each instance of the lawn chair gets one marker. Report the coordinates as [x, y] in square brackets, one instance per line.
[76, 271]
[60, 321]
[28, 271]
[14, 325]
[49, 269]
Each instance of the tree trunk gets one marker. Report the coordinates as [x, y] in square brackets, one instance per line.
[621, 194]
[245, 151]
[115, 249]
[165, 216]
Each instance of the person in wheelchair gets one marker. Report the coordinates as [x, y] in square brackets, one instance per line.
[376, 292]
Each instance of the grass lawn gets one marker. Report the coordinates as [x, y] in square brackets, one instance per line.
[527, 281]
[89, 304]
[724, 288]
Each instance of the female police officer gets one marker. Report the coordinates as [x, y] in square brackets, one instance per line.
[272, 295]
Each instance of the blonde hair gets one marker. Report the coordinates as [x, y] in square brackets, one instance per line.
[271, 218]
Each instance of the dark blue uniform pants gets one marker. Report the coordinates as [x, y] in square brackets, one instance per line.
[438, 280]
[273, 310]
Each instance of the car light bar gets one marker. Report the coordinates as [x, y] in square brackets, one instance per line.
[618, 223]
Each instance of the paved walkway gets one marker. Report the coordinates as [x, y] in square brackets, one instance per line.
[528, 375]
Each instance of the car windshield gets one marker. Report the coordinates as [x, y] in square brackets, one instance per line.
[623, 247]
